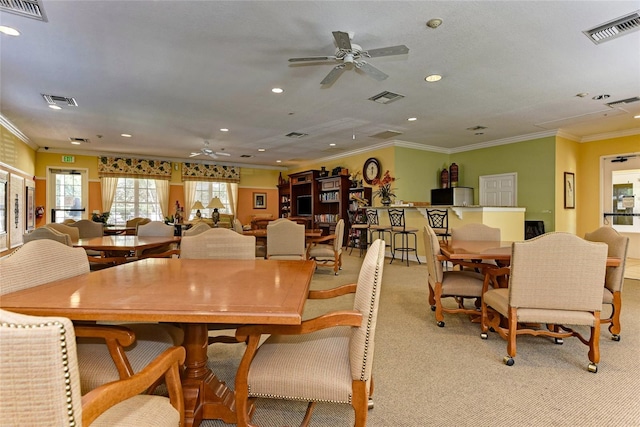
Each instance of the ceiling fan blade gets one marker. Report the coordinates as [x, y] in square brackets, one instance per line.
[194, 154]
[333, 75]
[371, 70]
[387, 51]
[342, 40]
[312, 59]
[219, 153]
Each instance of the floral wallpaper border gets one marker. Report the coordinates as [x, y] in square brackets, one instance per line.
[133, 168]
[205, 172]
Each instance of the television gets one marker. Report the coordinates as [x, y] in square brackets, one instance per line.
[303, 205]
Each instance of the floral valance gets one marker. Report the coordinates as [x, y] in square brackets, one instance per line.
[119, 167]
[203, 172]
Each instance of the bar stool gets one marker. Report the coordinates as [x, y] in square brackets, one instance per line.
[375, 227]
[399, 228]
[358, 231]
[439, 222]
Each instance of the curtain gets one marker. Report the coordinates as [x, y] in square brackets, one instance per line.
[232, 193]
[108, 192]
[162, 191]
[190, 197]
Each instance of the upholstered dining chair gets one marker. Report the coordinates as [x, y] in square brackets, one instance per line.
[218, 243]
[438, 220]
[285, 240]
[449, 284]
[156, 229]
[87, 228]
[325, 359]
[327, 250]
[612, 295]
[135, 222]
[73, 232]
[43, 261]
[47, 233]
[197, 228]
[555, 280]
[475, 231]
[40, 381]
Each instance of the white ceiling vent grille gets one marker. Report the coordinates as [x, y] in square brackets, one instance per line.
[615, 28]
[79, 140]
[623, 102]
[386, 97]
[386, 134]
[296, 135]
[29, 8]
[59, 100]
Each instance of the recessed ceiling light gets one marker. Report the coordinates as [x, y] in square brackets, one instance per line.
[9, 31]
[55, 107]
[434, 23]
[278, 161]
[277, 90]
[412, 119]
[76, 142]
[433, 78]
[261, 150]
[637, 116]
[125, 135]
[224, 130]
[332, 144]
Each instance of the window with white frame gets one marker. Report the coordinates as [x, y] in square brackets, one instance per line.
[205, 191]
[135, 198]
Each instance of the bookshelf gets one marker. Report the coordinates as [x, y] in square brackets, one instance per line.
[284, 200]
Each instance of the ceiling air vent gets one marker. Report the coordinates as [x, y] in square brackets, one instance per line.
[623, 102]
[59, 100]
[296, 135]
[386, 134]
[29, 8]
[79, 140]
[615, 28]
[386, 97]
[245, 156]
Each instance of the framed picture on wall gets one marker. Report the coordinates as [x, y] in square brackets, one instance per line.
[30, 209]
[259, 200]
[569, 190]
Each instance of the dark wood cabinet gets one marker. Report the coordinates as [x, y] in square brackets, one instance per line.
[304, 198]
[284, 200]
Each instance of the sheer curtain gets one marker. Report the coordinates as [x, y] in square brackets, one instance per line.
[232, 193]
[190, 197]
[109, 186]
[162, 191]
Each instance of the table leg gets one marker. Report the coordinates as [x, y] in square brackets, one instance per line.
[205, 396]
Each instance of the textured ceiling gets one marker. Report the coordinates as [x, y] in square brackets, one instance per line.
[172, 73]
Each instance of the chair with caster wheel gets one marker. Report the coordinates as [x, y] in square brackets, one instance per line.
[555, 280]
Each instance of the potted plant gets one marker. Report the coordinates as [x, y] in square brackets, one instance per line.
[384, 191]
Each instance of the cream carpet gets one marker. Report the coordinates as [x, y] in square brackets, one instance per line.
[430, 376]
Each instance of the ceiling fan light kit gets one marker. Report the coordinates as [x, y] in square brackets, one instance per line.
[209, 152]
[351, 53]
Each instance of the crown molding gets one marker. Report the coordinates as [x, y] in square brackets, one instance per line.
[16, 132]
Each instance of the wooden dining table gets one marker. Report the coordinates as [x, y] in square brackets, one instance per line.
[309, 233]
[193, 293]
[118, 248]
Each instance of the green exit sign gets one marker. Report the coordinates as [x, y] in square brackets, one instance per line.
[68, 159]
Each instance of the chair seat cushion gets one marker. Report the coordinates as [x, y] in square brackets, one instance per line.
[97, 367]
[462, 283]
[310, 367]
[287, 257]
[404, 230]
[323, 252]
[138, 411]
[607, 296]
[498, 299]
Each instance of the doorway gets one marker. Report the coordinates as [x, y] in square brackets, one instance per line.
[67, 194]
[499, 190]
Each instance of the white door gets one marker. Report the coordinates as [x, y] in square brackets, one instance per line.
[499, 190]
[67, 194]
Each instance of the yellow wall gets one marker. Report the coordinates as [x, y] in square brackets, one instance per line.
[566, 161]
[15, 153]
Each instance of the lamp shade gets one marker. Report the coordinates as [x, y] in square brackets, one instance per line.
[197, 205]
[215, 203]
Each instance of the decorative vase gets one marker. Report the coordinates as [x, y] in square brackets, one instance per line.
[444, 178]
[453, 175]
[386, 201]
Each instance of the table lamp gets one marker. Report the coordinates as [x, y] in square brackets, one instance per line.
[215, 204]
[197, 205]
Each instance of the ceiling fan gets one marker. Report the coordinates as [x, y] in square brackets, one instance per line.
[351, 53]
[209, 152]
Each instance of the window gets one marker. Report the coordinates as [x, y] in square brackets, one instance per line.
[205, 191]
[67, 193]
[135, 198]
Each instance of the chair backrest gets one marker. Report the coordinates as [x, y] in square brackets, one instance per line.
[155, 229]
[475, 231]
[47, 233]
[135, 222]
[438, 219]
[618, 245]
[88, 229]
[73, 232]
[198, 228]
[285, 240]
[38, 262]
[396, 218]
[362, 343]
[557, 271]
[237, 226]
[42, 348]
[432, 250]
[68, 221]
[339, 232]
[372, 217]
[218, 243]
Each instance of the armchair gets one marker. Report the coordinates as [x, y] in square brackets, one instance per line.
[47, 233]
[40, 381]
[329, 255]
[157, 229]
[73, 232]
[325, 359]
[555, 280]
